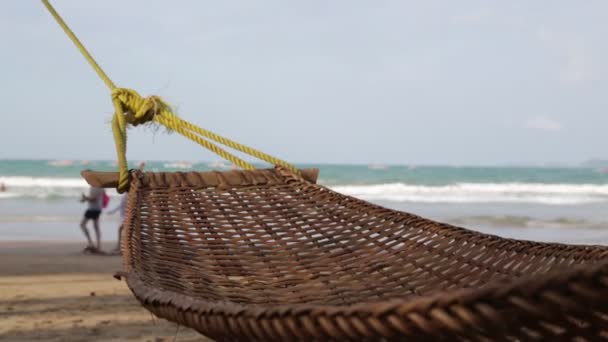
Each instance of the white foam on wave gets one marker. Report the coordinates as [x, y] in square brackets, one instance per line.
[555, 194]
[30, 182]
[44, 187]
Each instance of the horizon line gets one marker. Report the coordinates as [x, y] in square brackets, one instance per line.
[389, 164]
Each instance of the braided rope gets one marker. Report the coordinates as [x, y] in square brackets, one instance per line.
[132, 109]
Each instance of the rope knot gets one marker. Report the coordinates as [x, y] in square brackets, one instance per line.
[131, 108]
[137, 110]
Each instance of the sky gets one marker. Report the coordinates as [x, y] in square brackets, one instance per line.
[391, 82]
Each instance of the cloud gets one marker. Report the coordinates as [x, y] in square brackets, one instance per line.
[544, 124]
[472, 17]
[544, 34]
[575, 62]
[577, 67]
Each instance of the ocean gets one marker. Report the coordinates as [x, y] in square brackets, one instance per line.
[569, 205]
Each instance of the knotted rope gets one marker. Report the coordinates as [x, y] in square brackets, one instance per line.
[130, 108]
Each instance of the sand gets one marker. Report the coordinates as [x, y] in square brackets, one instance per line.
[49, 291]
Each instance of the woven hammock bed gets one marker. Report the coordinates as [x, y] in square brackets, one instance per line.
[270, 255]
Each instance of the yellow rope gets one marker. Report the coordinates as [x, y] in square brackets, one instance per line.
[132, 109]
[79, 45]
[237, 146]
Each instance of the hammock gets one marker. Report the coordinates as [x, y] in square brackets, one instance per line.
[269, 255]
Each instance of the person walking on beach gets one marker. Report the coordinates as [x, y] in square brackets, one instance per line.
[94, 206]
[121, 209]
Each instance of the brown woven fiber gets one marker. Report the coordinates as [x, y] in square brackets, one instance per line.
[271, 256]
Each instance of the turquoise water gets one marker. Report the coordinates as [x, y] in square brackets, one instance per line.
[339, 174]
[48, 180]
[560, 204]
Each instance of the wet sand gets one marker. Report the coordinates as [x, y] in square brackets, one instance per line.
[49, 291]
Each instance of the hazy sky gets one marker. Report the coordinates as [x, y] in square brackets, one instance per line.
[424, 82]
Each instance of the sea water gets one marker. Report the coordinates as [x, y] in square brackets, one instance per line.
[567, 204]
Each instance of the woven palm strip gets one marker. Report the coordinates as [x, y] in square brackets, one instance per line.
[267, 255]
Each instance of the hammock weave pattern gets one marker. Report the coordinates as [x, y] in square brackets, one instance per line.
[270, 255]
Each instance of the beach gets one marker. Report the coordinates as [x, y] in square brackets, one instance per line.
[49, 291]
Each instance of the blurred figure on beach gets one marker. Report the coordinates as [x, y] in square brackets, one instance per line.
[94, 201]
[121, 208]
[2, 187]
